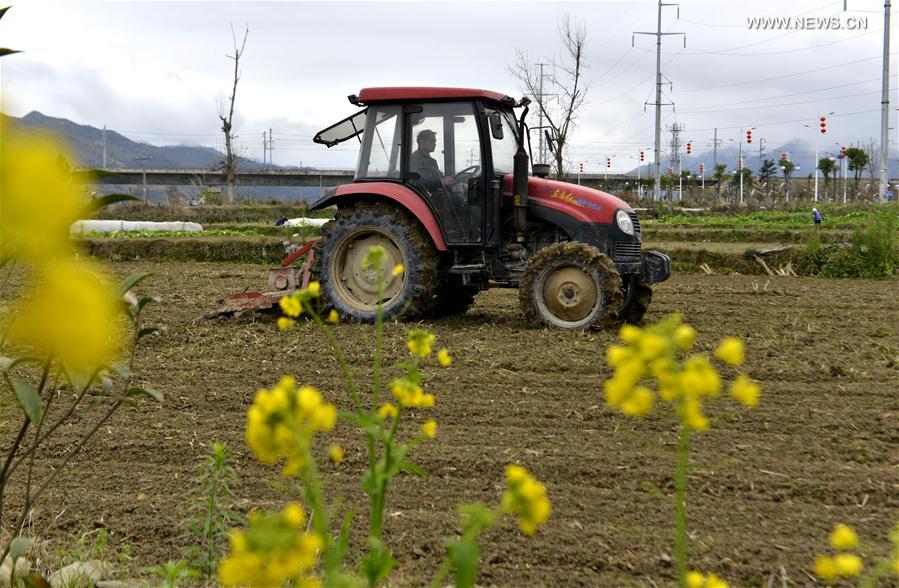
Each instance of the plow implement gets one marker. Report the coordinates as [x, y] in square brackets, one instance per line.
[284, 279]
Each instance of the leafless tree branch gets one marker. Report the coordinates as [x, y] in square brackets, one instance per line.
[227, 122]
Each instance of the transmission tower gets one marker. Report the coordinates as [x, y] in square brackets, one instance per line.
[658, 103]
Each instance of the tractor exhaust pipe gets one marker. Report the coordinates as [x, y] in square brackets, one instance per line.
[520, 178]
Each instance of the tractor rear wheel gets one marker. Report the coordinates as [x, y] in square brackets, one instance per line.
[571, 286]
[353, 290]
[636, 301]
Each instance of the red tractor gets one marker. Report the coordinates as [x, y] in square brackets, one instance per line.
[442, 184]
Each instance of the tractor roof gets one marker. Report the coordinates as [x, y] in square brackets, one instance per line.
[410, 93]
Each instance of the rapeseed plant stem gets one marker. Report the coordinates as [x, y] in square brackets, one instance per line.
[338, 353]
[680, 504]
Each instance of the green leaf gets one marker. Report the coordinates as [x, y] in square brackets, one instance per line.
[3, 10]
[104, 201]
[106, 384]
[79, 380]
[145, 300]
[19, 546]
[4, 52]
[377, 564]
[28, 398]
[6, 363]
[121, 369]
[154, 394]
[130, 282]
[413, 468]
[464, 557]
[149, 331]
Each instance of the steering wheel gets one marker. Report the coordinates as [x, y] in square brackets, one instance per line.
[471, 170]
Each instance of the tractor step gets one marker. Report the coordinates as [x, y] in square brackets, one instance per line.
[472, 268]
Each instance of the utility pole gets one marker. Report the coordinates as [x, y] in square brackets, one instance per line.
[104, 146]
[885, 106]
[264, 147]
[761, 152]
[541, 155]
[271, 146]
[740, 167]
[675, 155]
[143, 159]
[658, 103]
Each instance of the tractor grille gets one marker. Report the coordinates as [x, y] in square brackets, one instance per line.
[638, 232]
[627, 250]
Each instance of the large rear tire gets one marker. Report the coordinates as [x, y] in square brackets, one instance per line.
[571, 286]
[353, 290]
[636, 301]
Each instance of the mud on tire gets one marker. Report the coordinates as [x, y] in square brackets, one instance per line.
[352, 291]
[636, 301]
[571, 286]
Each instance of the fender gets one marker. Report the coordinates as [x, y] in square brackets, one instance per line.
[400, 194]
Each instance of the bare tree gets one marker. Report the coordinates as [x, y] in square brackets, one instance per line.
[559, 108]
[230, 163]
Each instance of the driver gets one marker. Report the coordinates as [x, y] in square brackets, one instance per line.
[429, 175]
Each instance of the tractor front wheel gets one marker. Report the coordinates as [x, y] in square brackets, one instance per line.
[636, 302]
[571, 286]
[353, 289]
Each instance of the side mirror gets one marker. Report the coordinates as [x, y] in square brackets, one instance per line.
[496, 125]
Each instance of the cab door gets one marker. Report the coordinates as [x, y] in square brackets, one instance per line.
[444, 163]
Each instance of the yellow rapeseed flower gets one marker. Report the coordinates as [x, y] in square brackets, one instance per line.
[313, 289]
[650, 346]
[443, 357]
[746, 391]
[335, 452]
[273, 550]
[826, 568]
[410, 394]
[429, 429]
[282, 421]
[526, 499]
[843, 537]
[630, 334]
[639, 402]
[285, 323]
[420, 342]
[848, 565]
[294, 515]
[38, 199]
[333, 317]
[695, 579]
[387, 410]
[398, 270]
[291, 306]
[72, 314]
[684, 336]
[618, 354]
[730, 351]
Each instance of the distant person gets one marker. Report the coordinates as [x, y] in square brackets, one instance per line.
[816, 216]
[429, 175]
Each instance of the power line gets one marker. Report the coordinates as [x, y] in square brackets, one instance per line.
[781, 77]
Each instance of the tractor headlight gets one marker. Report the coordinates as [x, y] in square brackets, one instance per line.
[624, 222]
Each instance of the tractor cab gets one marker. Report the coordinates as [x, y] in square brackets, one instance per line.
[442, 184]
[447, 148]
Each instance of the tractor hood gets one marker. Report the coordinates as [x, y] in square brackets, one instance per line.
[585, 204]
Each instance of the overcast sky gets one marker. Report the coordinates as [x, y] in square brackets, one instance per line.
[156, 71]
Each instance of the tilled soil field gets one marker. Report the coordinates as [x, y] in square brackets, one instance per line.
[766, 485]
